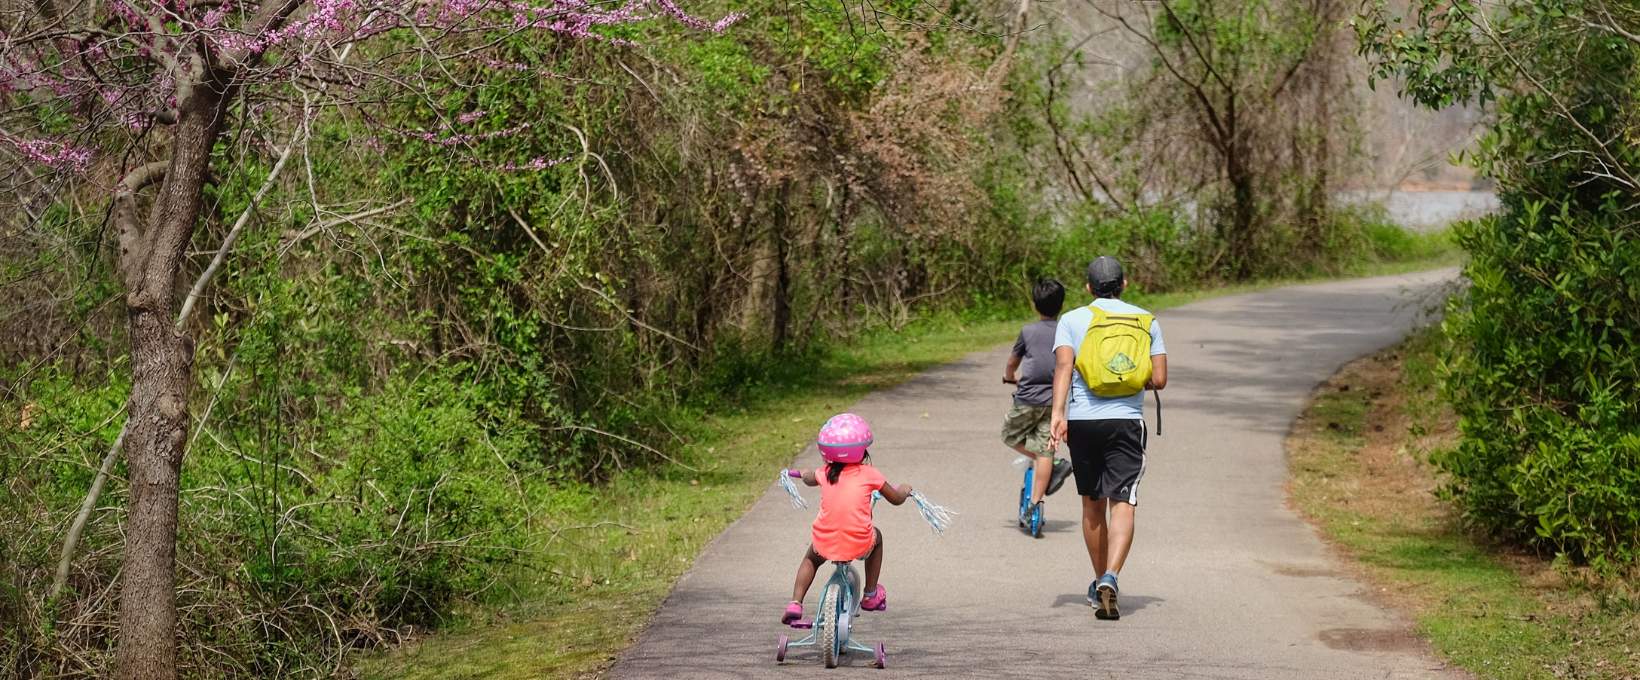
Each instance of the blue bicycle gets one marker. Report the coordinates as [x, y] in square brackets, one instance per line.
[833, 626]
[1030, 517]
[1030, 514]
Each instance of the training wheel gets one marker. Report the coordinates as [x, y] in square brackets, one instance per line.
[882, 656]
[780, 649]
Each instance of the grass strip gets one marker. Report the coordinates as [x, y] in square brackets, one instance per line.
[1359, 472]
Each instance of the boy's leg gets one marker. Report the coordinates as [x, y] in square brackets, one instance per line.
[1118, 535]
[1126, 462]
[874, 563]
[805, 574]
[1044, 470]
[1036, 445]
[1095, 533]
[1016, 430]
[1084, 443]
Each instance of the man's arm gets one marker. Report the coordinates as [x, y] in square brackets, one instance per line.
[1010, 374]
[1064, 361]
[1158, 357]
[1158, 372]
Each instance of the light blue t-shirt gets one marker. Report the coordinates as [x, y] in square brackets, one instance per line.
[1084, 405]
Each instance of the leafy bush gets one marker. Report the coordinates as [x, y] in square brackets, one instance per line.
[1546, 381]
[1365, 234]
[1543, 372]
[368, 521]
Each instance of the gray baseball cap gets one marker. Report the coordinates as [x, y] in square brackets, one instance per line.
[1105, 275]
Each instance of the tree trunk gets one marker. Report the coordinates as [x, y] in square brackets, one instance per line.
[1243, 211]
[161, 378]
[782, 279]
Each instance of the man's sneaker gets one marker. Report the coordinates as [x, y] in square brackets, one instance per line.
[875, 601]
[1103, 598]
[1061, 472]
[794, 611]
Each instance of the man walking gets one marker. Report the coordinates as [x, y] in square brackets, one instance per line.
[1105, 356]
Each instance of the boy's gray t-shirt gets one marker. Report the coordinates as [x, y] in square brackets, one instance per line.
[1035, 351]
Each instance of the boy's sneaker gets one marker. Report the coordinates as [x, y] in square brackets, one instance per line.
[1061, 472]
[876, 601]
[1102, 595]
[794, 611]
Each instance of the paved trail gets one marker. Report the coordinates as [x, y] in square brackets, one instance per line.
[1224, 581]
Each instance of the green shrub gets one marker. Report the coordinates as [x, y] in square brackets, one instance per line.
[1545, 379]
[1542, 372]
[1378, 239]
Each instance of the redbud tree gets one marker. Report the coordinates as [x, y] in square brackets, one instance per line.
[134, 97]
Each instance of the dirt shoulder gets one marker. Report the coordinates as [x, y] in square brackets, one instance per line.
[1358, 459]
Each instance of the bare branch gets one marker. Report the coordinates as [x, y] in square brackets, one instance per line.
[233, 235]
[72, 540]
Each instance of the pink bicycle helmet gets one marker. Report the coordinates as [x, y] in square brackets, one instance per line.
[844, 439]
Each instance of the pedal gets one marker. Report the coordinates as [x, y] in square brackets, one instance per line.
[803, 623]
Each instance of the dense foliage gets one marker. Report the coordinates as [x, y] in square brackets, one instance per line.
[1543, 372]
[464, 299]
[451, 306]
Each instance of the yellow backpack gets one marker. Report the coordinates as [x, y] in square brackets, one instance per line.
[1114, 358]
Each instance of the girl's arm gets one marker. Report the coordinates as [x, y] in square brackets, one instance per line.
[895, 494]
[809, 479]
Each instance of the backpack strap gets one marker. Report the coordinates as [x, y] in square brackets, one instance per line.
[1158, 394]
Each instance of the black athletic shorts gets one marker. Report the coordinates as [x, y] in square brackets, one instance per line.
[1109, 457]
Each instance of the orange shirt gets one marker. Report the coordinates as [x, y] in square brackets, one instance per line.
[843, 531]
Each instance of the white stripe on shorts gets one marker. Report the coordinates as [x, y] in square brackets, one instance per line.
[1144, 443]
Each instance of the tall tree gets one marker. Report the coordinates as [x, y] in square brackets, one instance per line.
[137, 95]
[1243, 106]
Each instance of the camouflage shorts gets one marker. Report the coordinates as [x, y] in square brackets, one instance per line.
[1028, 426]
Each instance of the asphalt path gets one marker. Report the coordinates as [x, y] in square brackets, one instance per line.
[1224, 581]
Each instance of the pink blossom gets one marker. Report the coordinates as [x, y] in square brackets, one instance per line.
[462, 139]
[538, 163]
[102, 79]
[52, 154]
[682, 17]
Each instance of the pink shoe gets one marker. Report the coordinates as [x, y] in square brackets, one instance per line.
[877, 601]
[794, 611]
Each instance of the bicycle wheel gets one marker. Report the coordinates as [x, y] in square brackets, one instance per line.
[855, 589]
[832, 603]
[1025, 498]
